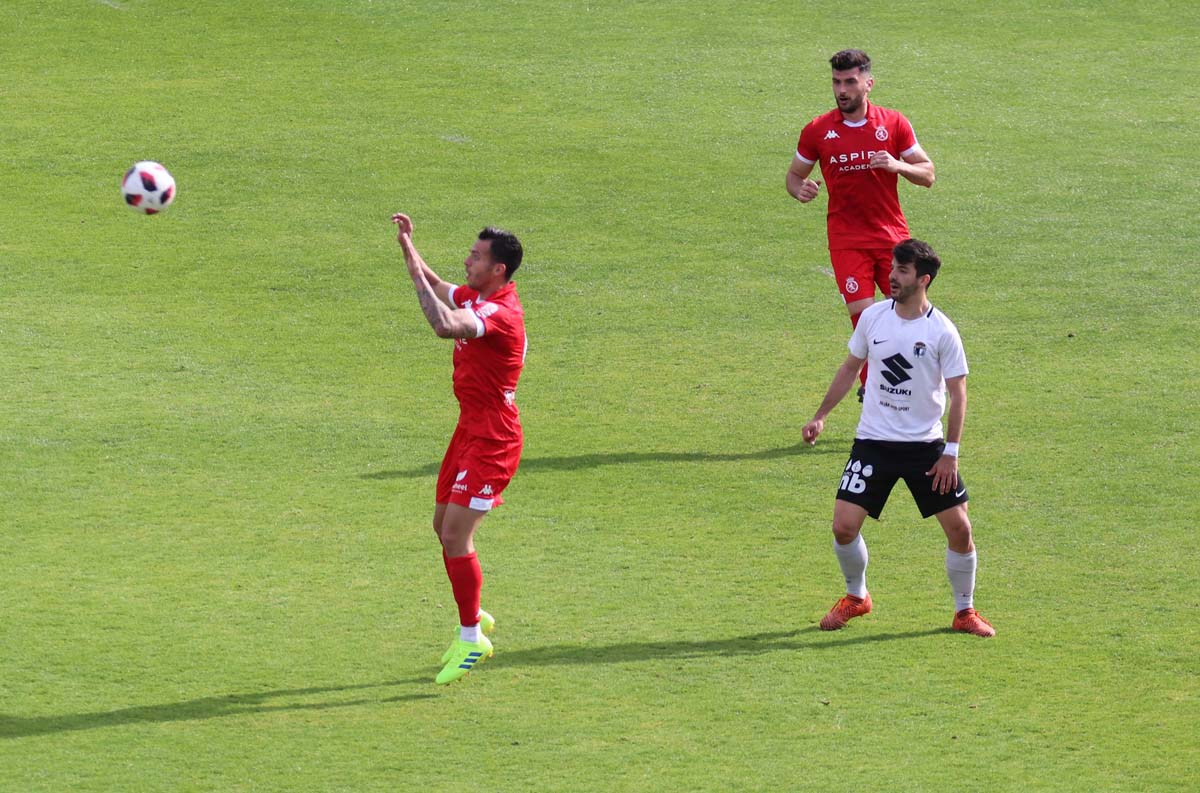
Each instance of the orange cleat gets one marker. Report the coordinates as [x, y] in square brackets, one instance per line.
[845, 610]
[970, 621]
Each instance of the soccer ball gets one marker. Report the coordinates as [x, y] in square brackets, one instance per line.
[148, 187]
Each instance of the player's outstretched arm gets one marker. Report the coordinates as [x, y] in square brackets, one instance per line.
[458, 323]
[447, 322]
[843, 380]
[404, 231]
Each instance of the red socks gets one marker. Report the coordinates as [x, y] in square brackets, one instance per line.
[466, 579]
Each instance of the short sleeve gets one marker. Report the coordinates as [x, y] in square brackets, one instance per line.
[858, 340]
[952, 356]
[495, 320]
[906, 139]
[806, 147]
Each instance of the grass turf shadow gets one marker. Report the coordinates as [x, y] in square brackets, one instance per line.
[756, 644]
[581, 461]
[554, 655]
[204, 708]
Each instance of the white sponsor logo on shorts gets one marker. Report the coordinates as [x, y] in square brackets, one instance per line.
[852, 482]
[851, 285]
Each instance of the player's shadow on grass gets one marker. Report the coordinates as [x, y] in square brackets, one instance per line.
[208, 708]
[577, 461]
[756, 644]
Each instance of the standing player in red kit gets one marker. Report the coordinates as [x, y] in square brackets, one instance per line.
[862, 149]
[487, 323]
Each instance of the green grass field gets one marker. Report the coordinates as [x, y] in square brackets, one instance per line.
[219, 427]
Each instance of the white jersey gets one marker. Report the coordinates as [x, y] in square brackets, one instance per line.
[908, 362]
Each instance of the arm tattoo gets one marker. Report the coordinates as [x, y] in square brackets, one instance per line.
[434, 309]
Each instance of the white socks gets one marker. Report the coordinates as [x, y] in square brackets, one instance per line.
[469, 634]
[960, 569]
[853, 559]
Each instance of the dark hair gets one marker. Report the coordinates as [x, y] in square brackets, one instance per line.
[506, 248]
[920, 255]
[851, 59]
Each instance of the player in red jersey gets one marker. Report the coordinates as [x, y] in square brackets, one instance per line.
[862, 149]
[487, 323]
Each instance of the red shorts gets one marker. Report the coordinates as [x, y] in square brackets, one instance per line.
[858, 271]
[476, 470]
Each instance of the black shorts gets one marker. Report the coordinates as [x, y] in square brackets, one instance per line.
[875, 466]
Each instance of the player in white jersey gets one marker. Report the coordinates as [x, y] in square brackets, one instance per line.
[915, 356]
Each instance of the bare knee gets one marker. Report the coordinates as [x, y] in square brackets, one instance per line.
[847, 521]
[958, 531]
[844, 533]
[439, 520]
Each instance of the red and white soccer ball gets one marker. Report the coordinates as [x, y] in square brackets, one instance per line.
[148, 187]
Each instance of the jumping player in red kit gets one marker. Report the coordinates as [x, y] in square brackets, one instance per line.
[862, 150]
[487, 323]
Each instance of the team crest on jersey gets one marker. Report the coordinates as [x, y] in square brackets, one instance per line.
[485, 310]
[919, 349]
[881, 133]
[851, 286]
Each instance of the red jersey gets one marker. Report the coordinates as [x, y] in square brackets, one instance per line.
[864, 209]
[486, 368]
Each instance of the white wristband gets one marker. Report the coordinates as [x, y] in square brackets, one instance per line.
[951, 449]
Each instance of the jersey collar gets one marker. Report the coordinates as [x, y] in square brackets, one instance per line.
[501, 292]
[928, 313]
[865, 119]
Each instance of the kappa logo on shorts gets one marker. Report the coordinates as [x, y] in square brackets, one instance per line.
[486, 490]
[854, 478]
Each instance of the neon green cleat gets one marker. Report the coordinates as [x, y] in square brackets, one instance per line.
[487, 626]
[464, 656]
